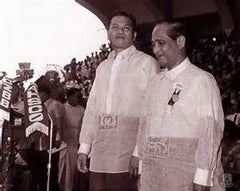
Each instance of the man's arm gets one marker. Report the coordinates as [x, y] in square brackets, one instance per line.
[211, 125]
[89, 125]
[135, 165]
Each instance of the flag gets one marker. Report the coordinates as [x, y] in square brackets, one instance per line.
[5, 98]
[36, 116]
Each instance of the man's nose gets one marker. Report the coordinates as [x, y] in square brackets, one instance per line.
[157, 50]
[154, 49]
[121, 30]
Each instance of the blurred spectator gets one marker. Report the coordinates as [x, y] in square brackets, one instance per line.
[84, 71]
[221, 58]
[71, 130]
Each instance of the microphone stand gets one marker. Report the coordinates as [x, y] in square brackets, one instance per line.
[50, 153]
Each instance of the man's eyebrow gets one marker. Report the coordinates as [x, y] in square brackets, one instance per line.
[158, 40]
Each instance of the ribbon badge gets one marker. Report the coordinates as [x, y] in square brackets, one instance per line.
[175, 96]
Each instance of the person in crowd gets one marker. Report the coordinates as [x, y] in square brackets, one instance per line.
[111, 119]
[21, 176]
[17, 102]
[72, 126]
[182, 124]
[39, 148]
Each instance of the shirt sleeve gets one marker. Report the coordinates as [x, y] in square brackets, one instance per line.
[148, 70]
[138, 151]
[89, 122]
[211, 125]
[84, 148]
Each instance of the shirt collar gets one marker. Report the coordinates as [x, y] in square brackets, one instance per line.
[173, 73]
[126, 53]
[68, 104]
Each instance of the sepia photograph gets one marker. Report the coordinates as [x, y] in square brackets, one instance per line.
[127, 95]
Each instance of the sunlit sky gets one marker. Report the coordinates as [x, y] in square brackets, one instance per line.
[46, 32]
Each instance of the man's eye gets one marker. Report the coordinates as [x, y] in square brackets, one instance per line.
[127, 29]
[161, 43]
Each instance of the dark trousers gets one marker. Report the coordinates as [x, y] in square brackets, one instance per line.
[112, 182]
[21, 178]
[38, 168]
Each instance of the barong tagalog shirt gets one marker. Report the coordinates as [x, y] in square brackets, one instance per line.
[111, 119]
[180, 133]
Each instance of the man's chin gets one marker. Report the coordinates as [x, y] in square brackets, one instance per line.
[162, 64]
[121, 45]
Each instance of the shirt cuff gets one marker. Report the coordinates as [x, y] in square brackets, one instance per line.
[135, 152]
[203, 177]
[84, 148]
[140, 167]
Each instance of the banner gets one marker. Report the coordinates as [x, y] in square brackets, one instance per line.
[36, 116]
[5, 98]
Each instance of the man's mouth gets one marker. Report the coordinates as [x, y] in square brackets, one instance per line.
[119, 37]
[159, 57]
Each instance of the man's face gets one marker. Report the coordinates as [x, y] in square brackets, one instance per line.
[74, 99]
[165, 49]
[120, 32]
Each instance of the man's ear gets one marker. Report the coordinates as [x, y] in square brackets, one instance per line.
[134, 36]
[181, 41]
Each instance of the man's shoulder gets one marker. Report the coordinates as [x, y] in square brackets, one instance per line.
[53, 103]
[142, 55]
[144, 61]
[104, 64]
[155, 80]
[199, 73]
[195, 75]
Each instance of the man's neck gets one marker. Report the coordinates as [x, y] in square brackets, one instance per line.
[72, 104]
[118, 50]
[177, 63]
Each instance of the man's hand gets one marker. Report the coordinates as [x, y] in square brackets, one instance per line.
[82, 163]
[197, 187]
[133, 167]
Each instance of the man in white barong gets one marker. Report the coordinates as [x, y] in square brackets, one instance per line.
[180, 133]
[111, 120]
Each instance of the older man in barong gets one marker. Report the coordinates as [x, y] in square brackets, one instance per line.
[181, 131]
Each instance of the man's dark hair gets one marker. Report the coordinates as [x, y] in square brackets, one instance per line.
[175, 29]
[43, 85]
[71, 92]
[125, 14]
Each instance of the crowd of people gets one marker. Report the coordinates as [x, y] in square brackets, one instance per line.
[133, 114]
[219, 56]
[83, 72]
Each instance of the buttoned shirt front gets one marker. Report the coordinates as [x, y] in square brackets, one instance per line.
[116, 100]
